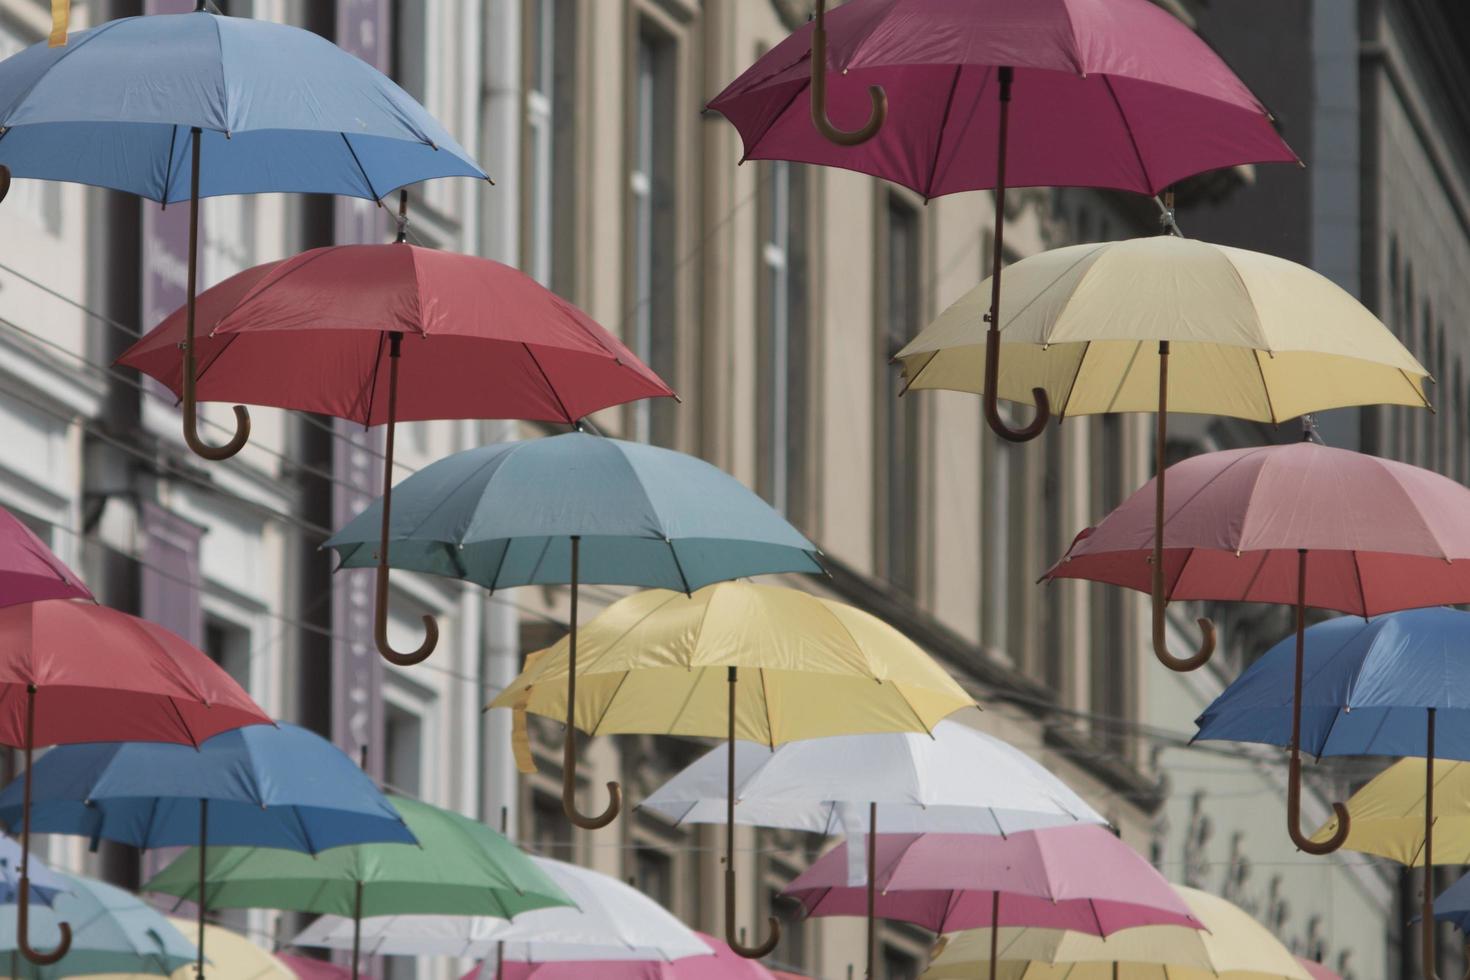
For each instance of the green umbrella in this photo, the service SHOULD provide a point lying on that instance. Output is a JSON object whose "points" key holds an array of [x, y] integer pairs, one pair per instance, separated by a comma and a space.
{"points": [[459, 866], [112, 932]]}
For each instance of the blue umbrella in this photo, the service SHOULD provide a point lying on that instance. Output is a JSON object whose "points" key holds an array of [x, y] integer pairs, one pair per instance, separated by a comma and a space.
{"points": [[184, 106], [114, 932], [1453, 905], [578, 508], [44, 884], [260, 786], [1367, 687]]}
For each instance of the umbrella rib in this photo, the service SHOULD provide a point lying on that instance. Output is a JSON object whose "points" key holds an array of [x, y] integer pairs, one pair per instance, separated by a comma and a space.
{"points": [[372, 385], [608, 706], [1128, 128], [766, 700], [1261, 370], [943, 126], [363, 170], [168, 166], [1072, 388], [565, 414]]}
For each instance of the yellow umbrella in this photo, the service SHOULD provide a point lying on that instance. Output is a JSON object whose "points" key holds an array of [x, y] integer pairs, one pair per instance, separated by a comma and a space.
{"points": [[660, 662], [1232, 946], [231, 957], [1249, 335]]}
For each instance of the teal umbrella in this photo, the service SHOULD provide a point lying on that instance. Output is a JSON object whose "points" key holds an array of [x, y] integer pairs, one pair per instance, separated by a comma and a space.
{"points": [[578, 508], [112, 932]]}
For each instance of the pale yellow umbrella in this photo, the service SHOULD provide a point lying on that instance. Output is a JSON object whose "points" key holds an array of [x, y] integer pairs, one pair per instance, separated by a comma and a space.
{"points": [[666, 663], [1104, 327], [231, 957], [1232, 946]]}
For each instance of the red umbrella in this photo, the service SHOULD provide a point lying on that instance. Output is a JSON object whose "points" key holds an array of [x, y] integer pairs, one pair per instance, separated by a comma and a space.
{"points": [[102, 676], [322, 332], [1109, 93], [28, 570], [1302, 524]]}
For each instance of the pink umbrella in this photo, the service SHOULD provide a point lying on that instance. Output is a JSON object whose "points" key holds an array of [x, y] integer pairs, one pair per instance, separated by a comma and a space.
{"points": [[309, 969], [1110, 93], [725, 964], [1317, 970], [1078, 878], [1240, 526], [29, 572]]}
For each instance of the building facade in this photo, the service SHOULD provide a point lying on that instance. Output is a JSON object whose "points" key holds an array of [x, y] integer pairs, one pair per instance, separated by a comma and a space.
{"points": [[772, 297]]}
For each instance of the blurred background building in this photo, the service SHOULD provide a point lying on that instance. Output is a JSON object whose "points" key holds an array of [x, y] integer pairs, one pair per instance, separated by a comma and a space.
{"points": [[771, 297]]}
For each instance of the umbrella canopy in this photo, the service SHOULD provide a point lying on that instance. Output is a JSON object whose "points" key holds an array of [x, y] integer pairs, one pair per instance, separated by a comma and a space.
{"points": [[726, 964], [1453, 905], [1119, 95], [657, 661], [505, 515], [1316, 970], [957, 780], [29, 572], [280, 109], [114, 932], [607, 920], [1387, 814], [1231, 946], [306, 968], [324, 332], [1077, 878], [44, 884], [276, 786], [233, 957], [480, 339], [1366, 688]]}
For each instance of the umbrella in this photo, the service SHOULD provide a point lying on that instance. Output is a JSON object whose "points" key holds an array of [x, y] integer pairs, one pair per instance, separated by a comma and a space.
{"points": [[1316, 970], [44, 884], [484, 340], [957, 780], [233, 957], [1370, 687], [116, 933], [1231, 946], [1453, 905], [578, 508], [459, 866], [608, 920], [726, 964], [29, 571], [307, 968], [133, 104], [1077, 878], [1120, 95], [1300, 523], [656, 661], [1245, 334], [262, 786], [72, 671]]}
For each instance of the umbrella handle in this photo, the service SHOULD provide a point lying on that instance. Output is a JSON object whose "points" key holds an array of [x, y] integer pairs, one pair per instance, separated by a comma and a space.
{"points": [[731, 934], [190, 402], [23, 934], [841, 137], [1294, 815], [569, 742], [4, 181], [992, 401], [380, 629]]}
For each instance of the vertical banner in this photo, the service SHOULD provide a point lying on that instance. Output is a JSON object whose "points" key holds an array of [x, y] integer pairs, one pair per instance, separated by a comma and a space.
{"points": [[357, 670]]}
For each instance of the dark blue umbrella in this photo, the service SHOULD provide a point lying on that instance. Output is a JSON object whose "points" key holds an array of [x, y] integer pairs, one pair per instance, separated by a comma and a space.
{"points": [[1367, 687], [1453, 905], [260, 786], [578, 508], [183, 106]]}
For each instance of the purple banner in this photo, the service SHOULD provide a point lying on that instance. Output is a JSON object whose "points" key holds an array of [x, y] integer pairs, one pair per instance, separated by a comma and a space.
{"points": [[357, 670]]}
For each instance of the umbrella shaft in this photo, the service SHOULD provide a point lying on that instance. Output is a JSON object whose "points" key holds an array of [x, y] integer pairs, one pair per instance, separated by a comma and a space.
{"points": [[872, 890], [1427, 934], [203, 856]]}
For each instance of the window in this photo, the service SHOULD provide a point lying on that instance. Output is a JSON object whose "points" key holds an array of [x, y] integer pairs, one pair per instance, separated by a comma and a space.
{"points": [[782, 352], [898, 418], [551, 832], [1108, 682], [410, 48], [899, 964], [650, 182], [229, 646], [653, 871], [403, 750], [550, 142]]}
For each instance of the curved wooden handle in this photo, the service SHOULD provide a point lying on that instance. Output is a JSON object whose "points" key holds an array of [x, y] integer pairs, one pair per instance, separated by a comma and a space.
{"points": [[380, 629], [1161, 647], [1294, 814], [569, 789], [731, 935], [4, 181], [879, 98], [191, 425], [23, 934], [992, 404]]}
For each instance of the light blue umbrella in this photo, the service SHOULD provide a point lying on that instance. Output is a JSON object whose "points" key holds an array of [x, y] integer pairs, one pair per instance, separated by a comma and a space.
{"points": [[112, 932], [276, 786], [44, 883], [578, 508], [182, 106]]}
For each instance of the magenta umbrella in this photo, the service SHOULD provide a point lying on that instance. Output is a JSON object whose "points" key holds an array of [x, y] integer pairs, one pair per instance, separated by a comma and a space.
{"points": [[1079, 878], [725, 964], [29, 572], [1109, 93], [1241, 526]]}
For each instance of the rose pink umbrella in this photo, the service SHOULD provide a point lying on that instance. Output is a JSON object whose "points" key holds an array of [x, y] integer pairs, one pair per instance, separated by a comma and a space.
{"points": [[307, 968], [725, 964], [1303, 524], [324, 331], [102, 676], [1077, 878], [29, 571], [1317, 970], [1109, 93]]}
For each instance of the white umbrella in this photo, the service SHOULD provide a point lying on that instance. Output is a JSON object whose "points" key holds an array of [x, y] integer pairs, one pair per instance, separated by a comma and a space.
{"points": [[610, 921], [958, 780]]}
